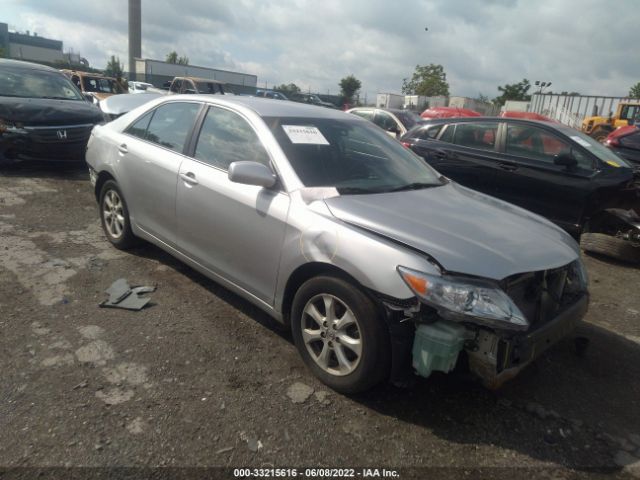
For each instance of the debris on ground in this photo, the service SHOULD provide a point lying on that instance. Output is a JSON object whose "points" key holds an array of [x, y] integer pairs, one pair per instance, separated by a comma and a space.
{"points": [[299, 392], [252, 442], [121, 295]]}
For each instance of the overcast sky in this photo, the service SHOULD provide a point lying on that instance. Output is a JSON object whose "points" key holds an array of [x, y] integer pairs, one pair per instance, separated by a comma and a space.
{"points": [[588, 46]]}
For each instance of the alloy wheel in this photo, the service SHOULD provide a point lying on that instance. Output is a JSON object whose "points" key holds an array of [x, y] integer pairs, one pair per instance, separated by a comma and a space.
{"points": [[331, 334]]}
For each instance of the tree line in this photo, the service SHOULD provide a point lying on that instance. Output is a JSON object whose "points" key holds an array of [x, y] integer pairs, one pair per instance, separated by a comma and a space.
{"points": [[427, 80]]}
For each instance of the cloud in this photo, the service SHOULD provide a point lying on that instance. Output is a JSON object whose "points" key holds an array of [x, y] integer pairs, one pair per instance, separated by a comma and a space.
{"points": [[576, 44]]}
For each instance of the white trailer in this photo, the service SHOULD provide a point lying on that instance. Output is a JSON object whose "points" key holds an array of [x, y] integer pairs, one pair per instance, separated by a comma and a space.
{"points": [[389, 100]]}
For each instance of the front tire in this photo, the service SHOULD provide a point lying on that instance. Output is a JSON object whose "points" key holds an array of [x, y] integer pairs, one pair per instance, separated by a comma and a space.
{"points": [[610, 246], [114, 216], [340, 334]]}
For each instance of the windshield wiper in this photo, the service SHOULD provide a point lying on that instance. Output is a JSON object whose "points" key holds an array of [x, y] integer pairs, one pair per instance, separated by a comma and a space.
{"points": [[414, 186], [355, 190]]}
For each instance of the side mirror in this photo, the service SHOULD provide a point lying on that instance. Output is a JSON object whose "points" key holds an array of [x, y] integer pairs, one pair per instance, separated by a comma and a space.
{"points": [[252, 173], [565, 160], [393, 129], [88, 97]]}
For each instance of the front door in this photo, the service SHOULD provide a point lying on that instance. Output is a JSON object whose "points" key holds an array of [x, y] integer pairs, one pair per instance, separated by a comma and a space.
{"points": [[536, 183], [233, 230]]}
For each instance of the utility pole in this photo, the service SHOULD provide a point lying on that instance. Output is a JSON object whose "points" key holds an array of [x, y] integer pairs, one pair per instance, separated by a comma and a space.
{"points": [[135, 36]]}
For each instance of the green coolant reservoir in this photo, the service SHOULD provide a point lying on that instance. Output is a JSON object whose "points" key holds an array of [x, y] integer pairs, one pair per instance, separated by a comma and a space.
{"points": [[436, 347]]}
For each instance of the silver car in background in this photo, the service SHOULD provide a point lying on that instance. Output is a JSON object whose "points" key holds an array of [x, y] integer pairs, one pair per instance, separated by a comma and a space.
{"points": [[377, 263]]}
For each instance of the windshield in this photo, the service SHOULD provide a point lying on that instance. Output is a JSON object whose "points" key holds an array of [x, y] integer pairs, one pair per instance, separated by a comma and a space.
{"points": [[595, 147], [100, 85], [352, 155], [37, 84]]}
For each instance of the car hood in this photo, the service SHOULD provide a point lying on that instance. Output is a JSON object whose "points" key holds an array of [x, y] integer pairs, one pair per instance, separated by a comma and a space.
{"points": [[117, 105], [464, 231], [42, 111]]}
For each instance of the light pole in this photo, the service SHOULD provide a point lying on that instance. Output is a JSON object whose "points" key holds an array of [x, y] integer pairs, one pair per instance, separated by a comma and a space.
{"points": [[542, 85]]}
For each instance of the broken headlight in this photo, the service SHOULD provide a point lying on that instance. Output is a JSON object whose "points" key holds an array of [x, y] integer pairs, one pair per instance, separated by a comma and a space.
{"points": [[9, 127], [462, 299]]}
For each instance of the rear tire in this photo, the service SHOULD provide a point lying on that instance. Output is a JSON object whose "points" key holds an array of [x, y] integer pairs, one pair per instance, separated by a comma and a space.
{"points": [[340, 334], [610, 246], [114, 216]]}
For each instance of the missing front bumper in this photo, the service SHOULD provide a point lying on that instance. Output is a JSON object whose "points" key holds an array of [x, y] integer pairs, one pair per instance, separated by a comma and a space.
{"points": [[496, 360]]}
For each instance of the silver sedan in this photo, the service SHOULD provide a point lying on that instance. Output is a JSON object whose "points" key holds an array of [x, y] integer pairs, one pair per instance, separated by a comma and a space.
{"points": [[378, 264]]}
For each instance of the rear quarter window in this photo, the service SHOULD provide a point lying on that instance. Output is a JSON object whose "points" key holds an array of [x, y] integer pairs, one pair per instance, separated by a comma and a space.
{"points": [[429, 133]]}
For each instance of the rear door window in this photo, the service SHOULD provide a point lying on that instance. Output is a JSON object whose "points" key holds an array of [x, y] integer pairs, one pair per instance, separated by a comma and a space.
{"points": [[171, 124], [430, 133], [476, 135], [447, 134]]}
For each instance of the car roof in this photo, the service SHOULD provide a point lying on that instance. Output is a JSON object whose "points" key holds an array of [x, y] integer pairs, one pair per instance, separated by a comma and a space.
{"points": [[201, 79], [524, 121], [82, 73], [5, 62], [267, 107]]}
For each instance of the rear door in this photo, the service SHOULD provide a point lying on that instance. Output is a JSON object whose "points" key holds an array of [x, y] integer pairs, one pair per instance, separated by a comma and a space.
{"points": [[466, 153], [233, 230], [533, 181], [152, 151]]}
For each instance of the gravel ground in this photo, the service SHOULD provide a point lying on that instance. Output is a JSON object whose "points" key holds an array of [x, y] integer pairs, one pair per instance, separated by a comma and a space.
{"points": [[201, 378]]}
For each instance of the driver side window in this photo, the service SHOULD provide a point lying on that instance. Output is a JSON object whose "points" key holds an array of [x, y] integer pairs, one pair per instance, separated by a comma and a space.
{"points": [[225, 138], [541, 145]]}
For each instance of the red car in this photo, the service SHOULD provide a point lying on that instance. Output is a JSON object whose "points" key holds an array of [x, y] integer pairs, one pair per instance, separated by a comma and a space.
{"points": [[449, 112], [625, 142]]}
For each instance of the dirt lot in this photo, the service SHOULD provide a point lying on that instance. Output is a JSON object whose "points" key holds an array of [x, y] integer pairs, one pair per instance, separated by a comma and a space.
{"points": [[201, 378]]}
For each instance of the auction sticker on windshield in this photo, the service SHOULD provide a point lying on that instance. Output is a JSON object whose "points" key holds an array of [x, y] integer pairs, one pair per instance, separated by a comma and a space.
{"points": [[304, 134]]}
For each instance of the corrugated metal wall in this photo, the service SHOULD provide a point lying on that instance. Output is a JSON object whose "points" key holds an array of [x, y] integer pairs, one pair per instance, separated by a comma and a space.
{"points": [[572, 109]]}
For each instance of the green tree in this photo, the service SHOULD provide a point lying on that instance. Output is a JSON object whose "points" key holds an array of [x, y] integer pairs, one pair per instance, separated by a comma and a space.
{"points": [[290, 90], [172, 57], [428, 80], [349, 87], [634, 92], [114, 68], [483, 98], [514, 91]]}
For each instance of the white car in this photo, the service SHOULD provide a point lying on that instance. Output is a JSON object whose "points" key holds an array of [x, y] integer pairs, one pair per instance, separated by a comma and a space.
{"points": [[139, 87]]}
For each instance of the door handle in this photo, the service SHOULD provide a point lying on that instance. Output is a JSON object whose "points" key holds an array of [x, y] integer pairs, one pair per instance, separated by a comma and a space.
{"points": [[440, 154], [189, 177], [123, 149], [509, 167]]}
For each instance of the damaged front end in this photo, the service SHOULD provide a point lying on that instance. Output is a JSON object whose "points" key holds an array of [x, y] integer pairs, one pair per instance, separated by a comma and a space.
{"points": [[497, 327]]}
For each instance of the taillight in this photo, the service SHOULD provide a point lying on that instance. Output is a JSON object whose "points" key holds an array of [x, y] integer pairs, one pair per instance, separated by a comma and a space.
{"points": [[406, 144], [613, 142]]}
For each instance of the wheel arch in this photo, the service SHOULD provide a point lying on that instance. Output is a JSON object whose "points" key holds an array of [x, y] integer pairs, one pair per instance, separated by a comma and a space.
{"points": [[103, 177], [310, 270]]}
